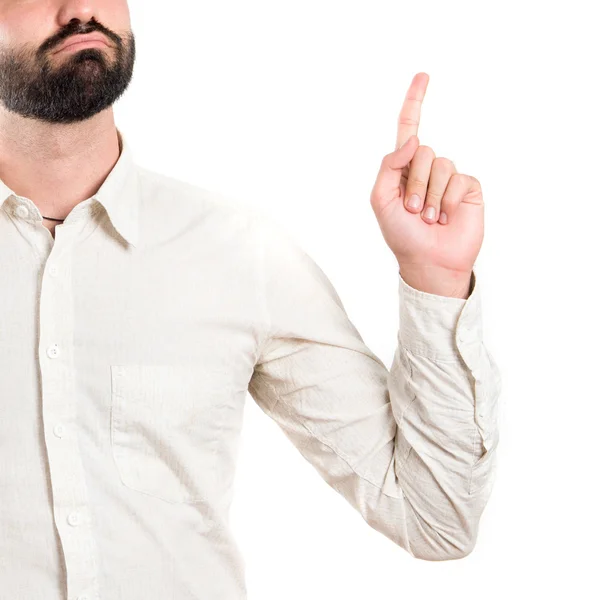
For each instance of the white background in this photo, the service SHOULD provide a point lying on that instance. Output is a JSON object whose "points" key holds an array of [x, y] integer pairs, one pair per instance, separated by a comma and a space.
{"points": [[290, 106]]}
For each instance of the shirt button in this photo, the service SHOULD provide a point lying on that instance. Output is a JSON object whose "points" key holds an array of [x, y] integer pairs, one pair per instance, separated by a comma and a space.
{"points": [[74, 519], [53, 351], [21, 211], [53, 270], [59, 430]]}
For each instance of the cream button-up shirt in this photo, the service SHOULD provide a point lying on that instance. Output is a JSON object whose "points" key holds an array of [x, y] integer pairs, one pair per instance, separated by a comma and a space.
{"points": [[128, 347]]}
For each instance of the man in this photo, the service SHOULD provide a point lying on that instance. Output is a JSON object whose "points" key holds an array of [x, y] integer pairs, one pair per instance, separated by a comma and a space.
{"points": [[137, 311]]}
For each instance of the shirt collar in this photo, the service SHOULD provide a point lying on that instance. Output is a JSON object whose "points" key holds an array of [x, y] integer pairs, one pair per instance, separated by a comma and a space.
{"points": [[119, 194]]}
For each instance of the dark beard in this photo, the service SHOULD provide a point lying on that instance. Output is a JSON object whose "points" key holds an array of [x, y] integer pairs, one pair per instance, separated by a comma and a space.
{"points": [[82, 86]]}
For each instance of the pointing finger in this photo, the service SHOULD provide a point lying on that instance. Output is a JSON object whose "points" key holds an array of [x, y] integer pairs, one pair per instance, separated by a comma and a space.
{"points": [[410, 114]]}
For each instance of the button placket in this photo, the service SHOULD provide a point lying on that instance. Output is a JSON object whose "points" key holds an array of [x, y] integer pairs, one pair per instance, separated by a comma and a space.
{"points": [[60, 399]]}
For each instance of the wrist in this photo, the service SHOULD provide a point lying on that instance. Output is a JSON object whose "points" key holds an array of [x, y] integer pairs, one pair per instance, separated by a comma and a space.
{"points": [[437, 280]]}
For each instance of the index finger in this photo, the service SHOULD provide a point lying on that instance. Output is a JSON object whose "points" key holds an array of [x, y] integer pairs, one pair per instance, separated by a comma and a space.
{"points": [[410, 114]]}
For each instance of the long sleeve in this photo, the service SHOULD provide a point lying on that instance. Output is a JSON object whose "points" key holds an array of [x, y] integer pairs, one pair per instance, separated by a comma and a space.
{"points": [[413, 448]]}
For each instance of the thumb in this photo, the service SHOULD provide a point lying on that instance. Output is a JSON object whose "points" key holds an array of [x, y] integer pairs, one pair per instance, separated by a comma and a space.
{"points": [[403, 155], [387, 184]]}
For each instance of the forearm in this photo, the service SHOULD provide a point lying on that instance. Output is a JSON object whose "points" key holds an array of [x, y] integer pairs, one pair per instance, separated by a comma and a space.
{"points": [[444, 387]]}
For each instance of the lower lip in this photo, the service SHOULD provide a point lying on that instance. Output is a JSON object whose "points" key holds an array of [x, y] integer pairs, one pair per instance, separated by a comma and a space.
{"points": [[80, 45]]}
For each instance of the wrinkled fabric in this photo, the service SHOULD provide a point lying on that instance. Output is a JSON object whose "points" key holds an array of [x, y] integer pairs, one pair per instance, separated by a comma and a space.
{"points": [[128, 348]]}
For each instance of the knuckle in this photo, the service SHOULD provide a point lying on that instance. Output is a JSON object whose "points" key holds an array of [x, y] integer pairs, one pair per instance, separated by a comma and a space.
{"points": [[425, 152], [445, 164], [416, 183], [464, 179], [407, 121], [459, 179], [475, 181]]}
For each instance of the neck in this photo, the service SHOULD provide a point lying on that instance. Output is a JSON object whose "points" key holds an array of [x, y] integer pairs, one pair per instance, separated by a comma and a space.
{"points": [[57, 166]]}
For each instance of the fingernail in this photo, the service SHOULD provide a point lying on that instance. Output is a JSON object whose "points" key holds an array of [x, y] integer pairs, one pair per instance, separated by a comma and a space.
{"points": [[430, 212], [443, 218], [414, 201]]}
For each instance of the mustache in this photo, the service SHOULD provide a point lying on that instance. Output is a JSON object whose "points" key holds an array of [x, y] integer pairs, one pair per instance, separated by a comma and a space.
{"points": [[77, 28]]}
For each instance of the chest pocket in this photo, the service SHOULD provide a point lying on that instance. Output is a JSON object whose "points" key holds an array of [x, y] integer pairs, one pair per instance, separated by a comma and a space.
{"points": [[165, 422]]}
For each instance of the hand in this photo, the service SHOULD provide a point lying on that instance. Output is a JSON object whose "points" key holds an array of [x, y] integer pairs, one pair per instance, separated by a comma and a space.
{"points": [[436, 241]]}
